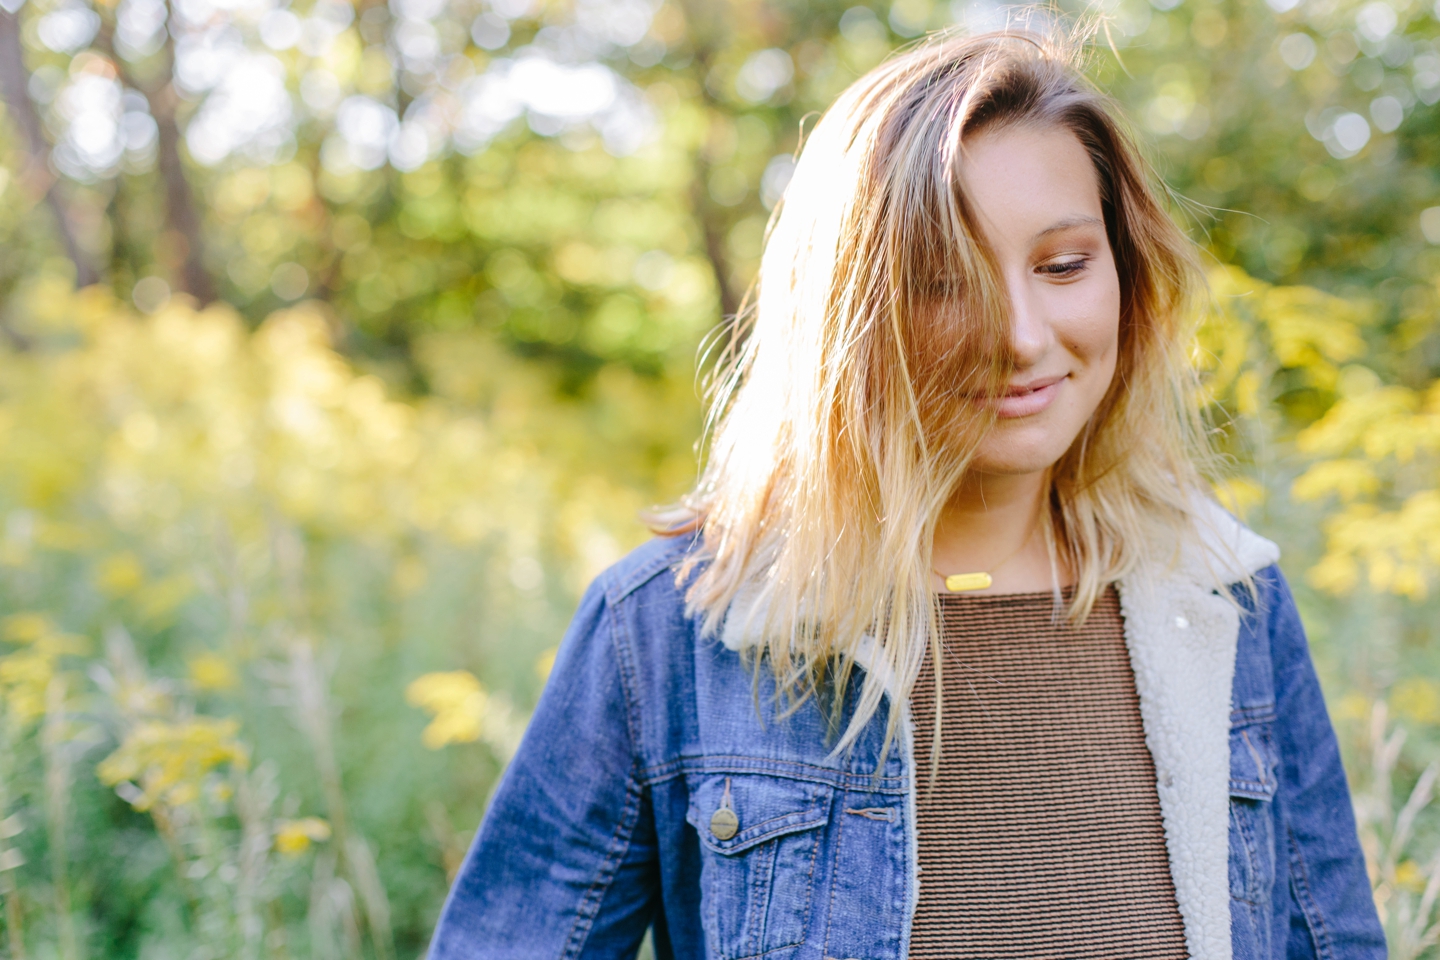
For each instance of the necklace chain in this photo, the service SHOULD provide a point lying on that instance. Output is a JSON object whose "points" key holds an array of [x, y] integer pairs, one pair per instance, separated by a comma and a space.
{"points": [[979, 579]]}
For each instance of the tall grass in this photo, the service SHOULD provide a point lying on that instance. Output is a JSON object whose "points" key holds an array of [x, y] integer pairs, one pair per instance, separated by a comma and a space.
{"points": [[226, 557], [1392, 811], [268, 632]]}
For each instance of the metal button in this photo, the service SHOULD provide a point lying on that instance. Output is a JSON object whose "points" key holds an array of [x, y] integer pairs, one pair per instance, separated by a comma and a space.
{"points": [[724, 824]]}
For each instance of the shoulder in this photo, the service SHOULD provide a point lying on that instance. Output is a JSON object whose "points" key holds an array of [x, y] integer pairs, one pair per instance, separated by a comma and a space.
{"points": [[1224, 550], [1227, 551], [650, 567], [644, 598], [632, 598], [631, 618]]}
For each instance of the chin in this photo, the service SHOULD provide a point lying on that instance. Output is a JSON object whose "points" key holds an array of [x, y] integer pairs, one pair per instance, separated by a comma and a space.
{"points": [[1015, 463], [1018, 455]]}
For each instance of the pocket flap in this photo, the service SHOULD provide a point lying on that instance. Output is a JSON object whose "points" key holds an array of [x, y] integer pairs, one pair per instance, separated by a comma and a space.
{"points": [[763, 807], [1253, 760]]}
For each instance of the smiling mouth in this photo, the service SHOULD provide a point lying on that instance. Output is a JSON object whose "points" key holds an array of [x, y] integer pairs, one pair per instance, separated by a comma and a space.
{"points": [[1032, 387], [1027, 399]]}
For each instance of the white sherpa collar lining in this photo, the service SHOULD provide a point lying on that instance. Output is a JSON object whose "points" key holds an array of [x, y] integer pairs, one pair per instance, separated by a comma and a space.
{"points": [[1181, 636]]}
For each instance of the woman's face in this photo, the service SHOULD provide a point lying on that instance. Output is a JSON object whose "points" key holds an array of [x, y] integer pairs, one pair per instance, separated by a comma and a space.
{"points": [[1038, 201]]}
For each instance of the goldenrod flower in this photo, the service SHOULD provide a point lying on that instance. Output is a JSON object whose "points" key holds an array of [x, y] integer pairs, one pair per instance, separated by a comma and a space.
{"points": [[169, 761], [457, 701], [120, 574], [24, 677], [1417, 699], [464, 712], [26, 627], [1409, 877], [294, 837], [210, 671], [545, 663], [26, 673]]}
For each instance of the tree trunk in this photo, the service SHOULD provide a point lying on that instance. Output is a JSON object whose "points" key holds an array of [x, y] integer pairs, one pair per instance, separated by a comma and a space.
{"points": [[15, 81], [182, 217], [705, 40], [712, 232]]}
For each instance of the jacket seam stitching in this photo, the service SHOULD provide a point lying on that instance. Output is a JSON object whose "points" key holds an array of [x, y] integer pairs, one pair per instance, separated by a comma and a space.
{"points": [[759, 765], [762, 882], [834, 872], [1252, 858], [1266, 788], [621, 643], [1309, 908], [1245, 716], [589, 907], [1240, 789], [642, 575], [754, 842], [754, 836]]}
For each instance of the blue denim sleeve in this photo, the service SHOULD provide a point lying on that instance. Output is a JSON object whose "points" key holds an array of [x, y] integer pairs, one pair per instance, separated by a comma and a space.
{"points": [[1331, 910], [564, 863]]}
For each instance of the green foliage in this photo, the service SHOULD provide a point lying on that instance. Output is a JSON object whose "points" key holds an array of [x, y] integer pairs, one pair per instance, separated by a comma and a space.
{"points": [[414, 338], [221, 579]]}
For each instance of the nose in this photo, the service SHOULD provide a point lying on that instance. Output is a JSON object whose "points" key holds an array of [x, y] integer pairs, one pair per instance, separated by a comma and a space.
{"points": [[1030, 332]]}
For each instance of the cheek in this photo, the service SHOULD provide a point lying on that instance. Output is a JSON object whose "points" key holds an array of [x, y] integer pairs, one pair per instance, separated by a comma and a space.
{"points": [[1103, 358], [1092, 334]]}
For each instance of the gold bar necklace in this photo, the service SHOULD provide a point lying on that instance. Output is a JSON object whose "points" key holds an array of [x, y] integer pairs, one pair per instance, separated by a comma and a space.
{"points": [[980, 579]]}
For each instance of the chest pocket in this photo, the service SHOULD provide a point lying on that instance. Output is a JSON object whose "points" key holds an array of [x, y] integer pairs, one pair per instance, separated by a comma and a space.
{"points": [[1254, 766], [759, 838]]}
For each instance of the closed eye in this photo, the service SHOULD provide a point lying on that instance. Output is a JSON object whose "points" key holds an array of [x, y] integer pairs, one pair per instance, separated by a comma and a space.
{"points": [[1064, 268]]}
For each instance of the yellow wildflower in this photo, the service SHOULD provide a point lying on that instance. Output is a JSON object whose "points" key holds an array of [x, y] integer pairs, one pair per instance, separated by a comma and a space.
{"points": [[1353, 706], [294, 837], [1417, 699], [169, 761], [457, 701], [210, 671], [120, 574], [545, 663], [26, 627], [1410, 877], [1313, 330], [1350, 479], [464, 712], [24, 677], [1239, 495], [26, 673]]}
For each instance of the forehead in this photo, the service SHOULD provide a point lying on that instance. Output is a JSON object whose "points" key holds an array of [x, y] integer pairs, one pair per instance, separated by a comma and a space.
{"points": [[1023, 180]]}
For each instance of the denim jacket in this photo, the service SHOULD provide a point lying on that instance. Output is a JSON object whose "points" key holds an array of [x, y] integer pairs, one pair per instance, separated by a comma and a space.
{"points": [[605, 824]]}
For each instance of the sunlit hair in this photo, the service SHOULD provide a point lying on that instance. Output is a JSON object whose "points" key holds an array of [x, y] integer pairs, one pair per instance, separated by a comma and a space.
{"points": [[843, 412]]}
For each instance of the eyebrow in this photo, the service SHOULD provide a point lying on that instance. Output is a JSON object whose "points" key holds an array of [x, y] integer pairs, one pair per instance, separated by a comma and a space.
{"points": [[1066, 224]]}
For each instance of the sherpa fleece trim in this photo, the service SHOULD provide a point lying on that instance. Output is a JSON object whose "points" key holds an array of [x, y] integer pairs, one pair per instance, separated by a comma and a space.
{"points": [[1181, 635]]}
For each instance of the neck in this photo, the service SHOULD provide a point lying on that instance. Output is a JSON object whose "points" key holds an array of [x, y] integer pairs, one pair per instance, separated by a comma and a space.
{"points": [[992, 524]]}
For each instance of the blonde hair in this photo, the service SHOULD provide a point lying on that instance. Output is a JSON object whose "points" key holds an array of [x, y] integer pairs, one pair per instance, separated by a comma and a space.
{"points": [[839, 422]]}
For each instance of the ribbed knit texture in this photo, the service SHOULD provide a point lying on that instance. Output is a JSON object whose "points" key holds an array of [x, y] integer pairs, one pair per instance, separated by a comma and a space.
{"points": [[1041, 836]]}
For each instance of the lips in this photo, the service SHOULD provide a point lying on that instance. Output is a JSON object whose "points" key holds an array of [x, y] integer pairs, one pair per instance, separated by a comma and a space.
{"points": [[1028, 399]]}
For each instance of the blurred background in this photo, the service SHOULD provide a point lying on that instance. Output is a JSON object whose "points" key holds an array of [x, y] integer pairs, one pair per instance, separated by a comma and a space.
{"points": [[340, 344]]}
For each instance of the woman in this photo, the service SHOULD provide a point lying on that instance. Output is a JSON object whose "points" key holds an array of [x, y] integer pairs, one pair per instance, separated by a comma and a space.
{"points": [[948, 654]]}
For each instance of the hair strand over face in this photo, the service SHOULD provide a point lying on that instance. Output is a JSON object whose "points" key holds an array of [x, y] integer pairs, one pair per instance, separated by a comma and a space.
{"points": [[843, 421]]}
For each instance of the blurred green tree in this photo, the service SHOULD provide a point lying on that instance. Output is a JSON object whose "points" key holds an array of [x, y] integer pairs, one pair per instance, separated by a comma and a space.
{"points": [[523, 216], [589, 181]]}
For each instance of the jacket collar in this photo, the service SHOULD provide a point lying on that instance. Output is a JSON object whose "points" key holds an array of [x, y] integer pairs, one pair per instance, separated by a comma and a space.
{"points": [[1181, 633]]}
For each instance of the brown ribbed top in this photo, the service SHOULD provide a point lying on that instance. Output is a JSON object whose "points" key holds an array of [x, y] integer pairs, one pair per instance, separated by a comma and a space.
{"points": [[1041, 836]]}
